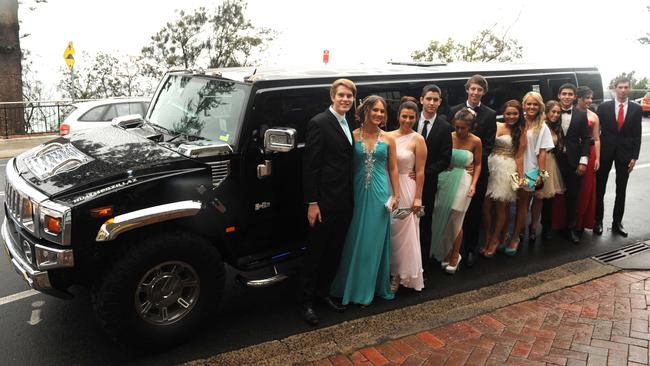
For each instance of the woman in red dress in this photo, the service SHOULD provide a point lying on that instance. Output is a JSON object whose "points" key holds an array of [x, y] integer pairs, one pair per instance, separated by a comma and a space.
{"points": [[587, 199]]}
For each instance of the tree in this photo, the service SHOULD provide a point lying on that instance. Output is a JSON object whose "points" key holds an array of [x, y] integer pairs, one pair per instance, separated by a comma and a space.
{"points": [[105, 76], [485, 47], [233, 37], [203, 39], [643, 83], [10, 68], [178, 44]]}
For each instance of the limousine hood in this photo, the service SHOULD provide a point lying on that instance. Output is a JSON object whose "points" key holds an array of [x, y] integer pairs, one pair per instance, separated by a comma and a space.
{"points": [[84, 159]]}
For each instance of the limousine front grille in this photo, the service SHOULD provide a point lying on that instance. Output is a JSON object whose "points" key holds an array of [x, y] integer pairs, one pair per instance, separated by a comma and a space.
{"points": [[19, 207], [220, 170]]}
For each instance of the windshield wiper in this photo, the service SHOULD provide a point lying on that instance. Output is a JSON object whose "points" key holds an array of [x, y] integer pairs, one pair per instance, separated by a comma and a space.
{"points": [[187, 136]]}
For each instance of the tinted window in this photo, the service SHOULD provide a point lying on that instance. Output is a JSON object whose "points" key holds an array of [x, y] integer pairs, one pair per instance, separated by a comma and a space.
{"points": [[594, 82], [95, 114], [554, 83], [136, 108]]}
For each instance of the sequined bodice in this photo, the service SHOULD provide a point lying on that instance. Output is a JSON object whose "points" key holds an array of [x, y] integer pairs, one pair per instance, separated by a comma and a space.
{"points": [[503, 145]]}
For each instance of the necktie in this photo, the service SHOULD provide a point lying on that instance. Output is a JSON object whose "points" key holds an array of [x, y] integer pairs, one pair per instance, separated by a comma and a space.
{"points": [[567, 111], [621, 116], [425, 129], [476, 109], [346, 129]]}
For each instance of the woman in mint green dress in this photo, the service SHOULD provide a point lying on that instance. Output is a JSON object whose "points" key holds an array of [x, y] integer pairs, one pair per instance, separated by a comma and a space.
{"points": [[456, 188], [365, 263]]}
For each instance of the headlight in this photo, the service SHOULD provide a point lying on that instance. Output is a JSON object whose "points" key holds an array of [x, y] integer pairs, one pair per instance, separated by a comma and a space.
{"points": [[55, 222]]}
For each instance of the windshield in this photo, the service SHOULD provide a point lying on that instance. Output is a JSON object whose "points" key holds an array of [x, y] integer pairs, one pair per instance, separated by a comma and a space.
{"points": [[208, 108]]}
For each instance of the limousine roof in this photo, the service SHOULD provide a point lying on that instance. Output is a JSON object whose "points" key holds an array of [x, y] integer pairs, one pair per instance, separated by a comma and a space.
{"points": [[389, 71]]}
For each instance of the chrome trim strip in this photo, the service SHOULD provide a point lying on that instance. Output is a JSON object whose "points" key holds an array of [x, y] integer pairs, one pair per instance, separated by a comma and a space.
{"points": [[38, 280], [64, 257], [112, 228]]}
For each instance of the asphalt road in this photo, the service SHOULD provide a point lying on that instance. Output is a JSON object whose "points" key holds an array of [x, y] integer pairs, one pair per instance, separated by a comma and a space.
{"points": [[37, 329]]}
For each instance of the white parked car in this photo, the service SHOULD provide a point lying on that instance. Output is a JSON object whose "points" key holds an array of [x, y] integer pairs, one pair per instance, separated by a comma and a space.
{"points": [[100, 113]]}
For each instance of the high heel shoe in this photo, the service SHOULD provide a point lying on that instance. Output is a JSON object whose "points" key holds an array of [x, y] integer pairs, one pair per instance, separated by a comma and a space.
{"points": [[511, 251], [444, 264], [532, 235], [452, 269]]}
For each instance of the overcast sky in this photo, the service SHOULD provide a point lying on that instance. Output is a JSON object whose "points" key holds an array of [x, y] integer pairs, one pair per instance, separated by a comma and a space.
{"points": [[573, 33]]}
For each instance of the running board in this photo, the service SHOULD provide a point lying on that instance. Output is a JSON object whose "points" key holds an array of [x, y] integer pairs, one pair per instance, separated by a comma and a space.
{"points": [[262, 282]]}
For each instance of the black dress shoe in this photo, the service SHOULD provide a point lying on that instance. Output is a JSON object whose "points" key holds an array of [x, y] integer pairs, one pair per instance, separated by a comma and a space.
{"points": [[339, 308], [309, 315], [618, 228], [598, 229], [471, 259], [574, 236]]}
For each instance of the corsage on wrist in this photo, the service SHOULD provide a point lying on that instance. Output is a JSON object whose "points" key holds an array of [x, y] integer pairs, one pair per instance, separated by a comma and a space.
{"points": [[544, 174]]}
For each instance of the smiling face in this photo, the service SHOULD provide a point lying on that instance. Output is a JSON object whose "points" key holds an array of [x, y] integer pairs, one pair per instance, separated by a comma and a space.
{"points": [[474, 94], [430, 103], [376, 114], [462, 128], [532, 108], [566, 97], [511, 115], [553, 114], [406, 119], [342, 100]]}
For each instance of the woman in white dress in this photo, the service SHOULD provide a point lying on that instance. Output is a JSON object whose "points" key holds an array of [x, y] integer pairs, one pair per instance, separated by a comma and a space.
{"points": [[538, 142], [506, 158], [405, 259]]}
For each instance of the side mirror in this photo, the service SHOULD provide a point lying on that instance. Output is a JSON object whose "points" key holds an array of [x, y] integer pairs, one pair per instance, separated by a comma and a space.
{"points": [[282, 139]]}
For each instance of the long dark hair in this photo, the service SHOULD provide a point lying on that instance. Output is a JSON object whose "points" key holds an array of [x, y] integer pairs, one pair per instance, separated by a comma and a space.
{"points": [[556, 126], [408, 102], [366, 105], [515, 130]]}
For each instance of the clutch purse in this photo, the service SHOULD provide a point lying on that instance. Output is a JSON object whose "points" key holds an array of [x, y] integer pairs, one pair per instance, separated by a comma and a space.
{"points": [[530, 178], [401, 213], [514, 181]]}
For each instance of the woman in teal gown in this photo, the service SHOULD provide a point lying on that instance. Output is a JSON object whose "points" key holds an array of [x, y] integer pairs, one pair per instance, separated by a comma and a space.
{"points": [[365, 262]]}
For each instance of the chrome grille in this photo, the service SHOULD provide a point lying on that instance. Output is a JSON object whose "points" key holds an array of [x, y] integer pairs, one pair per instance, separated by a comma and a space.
{"points": [[220, 170], [13, 199]]}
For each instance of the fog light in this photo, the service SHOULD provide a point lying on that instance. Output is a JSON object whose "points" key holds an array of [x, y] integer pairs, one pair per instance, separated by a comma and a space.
{"points": [[52, 224]]}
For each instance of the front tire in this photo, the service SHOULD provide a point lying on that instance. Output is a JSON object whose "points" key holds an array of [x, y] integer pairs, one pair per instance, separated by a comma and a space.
{"points": [[160, 291]]}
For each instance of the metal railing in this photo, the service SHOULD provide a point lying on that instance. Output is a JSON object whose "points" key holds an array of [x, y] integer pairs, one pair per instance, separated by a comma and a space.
{"points": [[32, 117]]}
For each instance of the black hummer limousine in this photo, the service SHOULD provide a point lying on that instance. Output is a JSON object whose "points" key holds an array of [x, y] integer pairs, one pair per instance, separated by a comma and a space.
{"points": [[147, 212]]}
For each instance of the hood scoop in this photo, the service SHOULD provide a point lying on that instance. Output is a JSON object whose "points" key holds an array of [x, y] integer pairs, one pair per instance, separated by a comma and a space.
{"points": [[53, 159]]}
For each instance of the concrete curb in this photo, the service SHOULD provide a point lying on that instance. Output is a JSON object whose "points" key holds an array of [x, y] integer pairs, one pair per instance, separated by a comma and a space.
{"points": [[17, 145], [348, 336]]}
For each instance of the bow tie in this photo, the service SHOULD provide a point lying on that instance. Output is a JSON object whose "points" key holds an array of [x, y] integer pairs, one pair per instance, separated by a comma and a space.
{"points": [[567, 111]]}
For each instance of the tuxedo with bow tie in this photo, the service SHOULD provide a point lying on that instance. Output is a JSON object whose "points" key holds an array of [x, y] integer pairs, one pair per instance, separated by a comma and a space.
{"points": [[618, 147]]}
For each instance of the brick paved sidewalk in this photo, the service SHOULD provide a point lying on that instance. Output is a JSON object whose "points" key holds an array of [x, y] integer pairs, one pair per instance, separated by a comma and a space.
{"points": [[600, 322]]}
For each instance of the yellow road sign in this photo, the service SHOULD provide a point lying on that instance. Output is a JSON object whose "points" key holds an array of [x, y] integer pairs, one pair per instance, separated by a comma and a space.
{"points": [[68, 55]]}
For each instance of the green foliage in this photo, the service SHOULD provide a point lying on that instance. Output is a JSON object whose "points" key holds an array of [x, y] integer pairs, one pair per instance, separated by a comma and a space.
{"points": [[105, 76], [643, 83], [485, 47], [202, 39], [646, 39]]}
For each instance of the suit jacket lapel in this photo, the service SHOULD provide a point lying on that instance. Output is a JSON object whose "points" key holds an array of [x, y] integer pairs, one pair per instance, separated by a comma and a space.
{"points": [[337, 126]]}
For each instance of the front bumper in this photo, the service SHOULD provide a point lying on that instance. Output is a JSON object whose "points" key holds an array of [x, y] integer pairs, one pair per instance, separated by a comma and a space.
{"points": [[37, 279]]}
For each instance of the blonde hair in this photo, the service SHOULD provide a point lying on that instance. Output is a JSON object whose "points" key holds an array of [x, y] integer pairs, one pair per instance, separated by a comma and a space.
{"points": [[345, 83], [541, 116]]}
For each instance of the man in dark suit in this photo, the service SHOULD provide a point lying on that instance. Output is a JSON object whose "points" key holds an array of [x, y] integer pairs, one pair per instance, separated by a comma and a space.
{"points": [[485, 127], [620, 141], [572, 162], [327, 184], [437, 134]]}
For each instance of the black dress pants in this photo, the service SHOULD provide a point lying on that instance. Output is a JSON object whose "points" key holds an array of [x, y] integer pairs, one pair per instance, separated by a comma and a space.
{"points": [[622, 176], [474, 217], [572, 183], [323, 255]]}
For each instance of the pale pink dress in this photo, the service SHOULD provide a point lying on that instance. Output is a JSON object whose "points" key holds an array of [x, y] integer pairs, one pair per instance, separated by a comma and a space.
{"points": [[405, 258]]}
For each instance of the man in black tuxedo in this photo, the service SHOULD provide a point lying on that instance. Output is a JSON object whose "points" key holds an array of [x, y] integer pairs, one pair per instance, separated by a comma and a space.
{"points": [[620, 141], [327, 184], [485, 128], [437, 134], [572, 161]]}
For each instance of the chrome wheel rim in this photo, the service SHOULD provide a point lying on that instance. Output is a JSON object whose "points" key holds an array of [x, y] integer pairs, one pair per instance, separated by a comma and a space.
{"points": [[167, 293]]}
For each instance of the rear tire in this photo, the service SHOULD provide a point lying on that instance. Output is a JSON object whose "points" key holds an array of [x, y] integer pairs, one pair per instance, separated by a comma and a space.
{"points": [[160, 291]]}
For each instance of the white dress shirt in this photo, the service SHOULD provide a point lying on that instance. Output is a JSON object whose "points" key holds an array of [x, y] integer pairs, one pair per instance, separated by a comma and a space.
{"points": [[421, 123], [617, 105], [340, 118]]}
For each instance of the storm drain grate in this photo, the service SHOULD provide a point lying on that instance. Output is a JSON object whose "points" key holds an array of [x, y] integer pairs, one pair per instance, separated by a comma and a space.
{"points": [[623, 252]]}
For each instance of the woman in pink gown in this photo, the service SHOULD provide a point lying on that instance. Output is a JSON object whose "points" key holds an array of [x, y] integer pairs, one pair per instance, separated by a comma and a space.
{"points": [[405, 259]]}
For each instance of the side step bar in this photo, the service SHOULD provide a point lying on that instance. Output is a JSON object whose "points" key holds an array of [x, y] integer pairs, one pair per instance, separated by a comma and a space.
{"points": [[262, 282]]}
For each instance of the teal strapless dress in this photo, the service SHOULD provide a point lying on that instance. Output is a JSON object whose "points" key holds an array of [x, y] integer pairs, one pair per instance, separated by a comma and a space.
{"points": [[365, 261], [451, 203]]}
